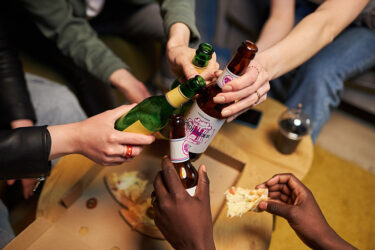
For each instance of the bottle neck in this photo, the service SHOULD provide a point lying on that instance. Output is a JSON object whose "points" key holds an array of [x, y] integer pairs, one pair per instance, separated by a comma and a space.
{"points": [[178, 143]]}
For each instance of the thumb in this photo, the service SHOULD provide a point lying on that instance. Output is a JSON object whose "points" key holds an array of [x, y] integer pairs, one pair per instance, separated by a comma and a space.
{"points": [[276, 208], [119, 111], [203, 187], [189, 70]]}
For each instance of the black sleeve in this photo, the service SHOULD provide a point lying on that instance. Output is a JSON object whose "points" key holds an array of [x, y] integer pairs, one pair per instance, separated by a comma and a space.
{"points": [[15, 100], [24, 152]]}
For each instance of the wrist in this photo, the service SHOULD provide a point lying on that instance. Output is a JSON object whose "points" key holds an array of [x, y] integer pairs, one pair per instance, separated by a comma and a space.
{"points": [[267, 60], [65, 140], [179, 35], [204, 244]]}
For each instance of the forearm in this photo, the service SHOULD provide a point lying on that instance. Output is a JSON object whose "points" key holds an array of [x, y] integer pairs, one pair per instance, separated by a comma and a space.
{"points": [[279, 23], [331, 240], [309, 36]]}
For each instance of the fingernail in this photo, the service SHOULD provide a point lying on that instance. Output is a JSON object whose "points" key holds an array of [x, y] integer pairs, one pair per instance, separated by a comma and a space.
{"points": [[227, 88], [263, 205], [204, 168], [165, 156], [226, 113], [219, 98]]}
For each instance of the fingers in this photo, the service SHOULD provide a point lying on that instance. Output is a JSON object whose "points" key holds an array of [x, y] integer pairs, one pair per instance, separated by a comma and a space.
{"points": [[203, 187], [119, 111], [246, 80], [171, 178], [289, 179], [122, 151], [11, 182], [276, 208], [159, 187], [131, 138], [231, 118], [189, 70]]}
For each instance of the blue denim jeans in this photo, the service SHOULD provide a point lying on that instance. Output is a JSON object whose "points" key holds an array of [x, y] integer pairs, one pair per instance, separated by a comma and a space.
{"points": [[318, 83]]}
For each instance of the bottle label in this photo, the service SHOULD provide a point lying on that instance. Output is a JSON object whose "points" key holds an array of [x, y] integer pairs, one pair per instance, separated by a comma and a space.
{"points": [[200, 129], [191, 191], [225, 77], [138, 128], [175, 97], [179, 150]]}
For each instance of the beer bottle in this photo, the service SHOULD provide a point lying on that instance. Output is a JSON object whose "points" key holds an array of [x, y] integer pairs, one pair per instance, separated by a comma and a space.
{"points": [[204, 118], [180, 155], [153, 113], [200, 61]]}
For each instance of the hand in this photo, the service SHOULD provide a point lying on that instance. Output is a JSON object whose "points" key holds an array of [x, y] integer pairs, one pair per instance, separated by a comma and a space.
{"points": [[133, 90], [97, 138], [180, 62], [180, 56], [185, 221], [293, 201], [27, 186], [247, 91]]}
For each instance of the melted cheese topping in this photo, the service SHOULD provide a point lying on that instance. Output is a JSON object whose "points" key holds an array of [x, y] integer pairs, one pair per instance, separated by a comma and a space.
{"points": [[240, 200]]}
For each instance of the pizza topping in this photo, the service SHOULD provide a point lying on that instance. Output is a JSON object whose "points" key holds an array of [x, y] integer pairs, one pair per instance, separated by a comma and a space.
{"points": [[240, 200], [91, 203]]}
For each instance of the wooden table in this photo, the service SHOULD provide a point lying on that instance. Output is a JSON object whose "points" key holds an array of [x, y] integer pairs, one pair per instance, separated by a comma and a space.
{"points": [[254, 146]]}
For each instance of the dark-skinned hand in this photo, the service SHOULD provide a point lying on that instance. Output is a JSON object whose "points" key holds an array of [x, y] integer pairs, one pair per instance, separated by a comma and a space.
{"points": [[185, 221], [292, 200]]}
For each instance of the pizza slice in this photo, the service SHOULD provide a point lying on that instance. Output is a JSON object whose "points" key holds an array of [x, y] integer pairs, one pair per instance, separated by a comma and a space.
{"points": [[127, 188], [241, 200], [141, 218]]}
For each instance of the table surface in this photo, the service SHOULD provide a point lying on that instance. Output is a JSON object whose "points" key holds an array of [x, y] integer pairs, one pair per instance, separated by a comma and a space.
{"points": [[255, 147]]}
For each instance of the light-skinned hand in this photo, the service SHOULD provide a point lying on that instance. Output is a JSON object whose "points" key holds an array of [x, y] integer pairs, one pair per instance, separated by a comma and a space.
{"points": [[242, 92], [97, 138], [133, 89]]}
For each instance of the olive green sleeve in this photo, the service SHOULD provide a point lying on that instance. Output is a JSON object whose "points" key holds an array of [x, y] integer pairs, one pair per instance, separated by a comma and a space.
{"points": [[74, 36], [180, 11]]}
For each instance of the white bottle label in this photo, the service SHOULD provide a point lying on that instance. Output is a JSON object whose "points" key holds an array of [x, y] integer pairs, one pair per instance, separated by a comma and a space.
{"points": [[179, 150], [191, 191], [225, 77], [200, 129]]}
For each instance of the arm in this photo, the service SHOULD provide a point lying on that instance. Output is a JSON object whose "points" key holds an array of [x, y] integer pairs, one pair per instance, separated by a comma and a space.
{"points": [[59, 21], [309, 36], [14, 97], [293, 201], [179, 22], [278, 24], [95, 138]]}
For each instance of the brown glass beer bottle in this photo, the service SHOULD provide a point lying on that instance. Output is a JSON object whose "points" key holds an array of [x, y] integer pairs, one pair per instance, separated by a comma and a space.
{"points": [[204, 119], [180, 156]]}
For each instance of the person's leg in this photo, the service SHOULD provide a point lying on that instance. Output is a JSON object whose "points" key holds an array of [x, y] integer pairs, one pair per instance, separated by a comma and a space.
{"points": [[53, 103], [319, 82], [6, 231]]}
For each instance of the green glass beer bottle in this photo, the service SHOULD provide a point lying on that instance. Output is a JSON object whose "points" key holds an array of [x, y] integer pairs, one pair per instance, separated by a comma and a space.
{"points": [[200, 61], [153, 113]]}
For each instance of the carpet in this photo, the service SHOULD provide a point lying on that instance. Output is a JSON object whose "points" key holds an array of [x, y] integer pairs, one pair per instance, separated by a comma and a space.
{"points": [[345, 194]]}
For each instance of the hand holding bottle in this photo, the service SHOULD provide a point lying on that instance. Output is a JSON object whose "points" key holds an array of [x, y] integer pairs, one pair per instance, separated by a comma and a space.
{"points": [[180, 55], [97, 139], [295, 202], [246, 91], [185, 221]]}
